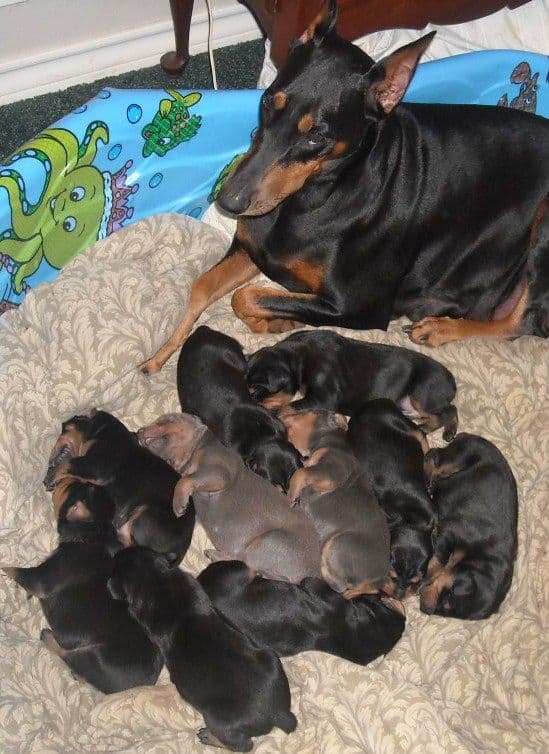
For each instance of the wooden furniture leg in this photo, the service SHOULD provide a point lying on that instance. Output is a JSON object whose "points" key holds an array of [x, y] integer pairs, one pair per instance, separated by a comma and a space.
{"points": [[175, 62]]}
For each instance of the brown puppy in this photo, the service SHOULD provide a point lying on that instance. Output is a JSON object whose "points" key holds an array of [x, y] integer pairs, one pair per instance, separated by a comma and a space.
{"points": [[339, 498], [244, 516]]}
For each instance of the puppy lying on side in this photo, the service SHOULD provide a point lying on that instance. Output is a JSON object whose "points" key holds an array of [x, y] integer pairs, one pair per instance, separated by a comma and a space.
{"points": [[245, 517], [293, 618], [338, 497], [390, 448], [239, 688], [342, 374], [94, 635], [211, 383], [140, 484], [475, 546]]}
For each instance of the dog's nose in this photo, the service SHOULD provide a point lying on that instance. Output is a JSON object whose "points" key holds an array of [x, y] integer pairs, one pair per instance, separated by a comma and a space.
{"points": [[233, 202]]}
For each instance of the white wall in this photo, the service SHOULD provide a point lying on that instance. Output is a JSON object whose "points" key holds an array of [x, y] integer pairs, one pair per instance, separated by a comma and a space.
{"points": [[47, 45]]}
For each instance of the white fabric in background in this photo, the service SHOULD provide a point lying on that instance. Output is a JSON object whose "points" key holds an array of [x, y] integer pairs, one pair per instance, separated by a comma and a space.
{"points": [[526, 28]]}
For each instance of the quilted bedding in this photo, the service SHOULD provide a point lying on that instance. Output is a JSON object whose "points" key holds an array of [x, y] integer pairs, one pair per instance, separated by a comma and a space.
{"points": [[448, 686]]}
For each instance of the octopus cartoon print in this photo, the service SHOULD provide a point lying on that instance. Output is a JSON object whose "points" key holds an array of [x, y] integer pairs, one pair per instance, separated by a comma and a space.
{"points": [[78, 203]]}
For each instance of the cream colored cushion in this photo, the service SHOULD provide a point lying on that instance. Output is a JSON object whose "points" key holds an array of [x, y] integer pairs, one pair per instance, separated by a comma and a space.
{"points": [[448, 686]]}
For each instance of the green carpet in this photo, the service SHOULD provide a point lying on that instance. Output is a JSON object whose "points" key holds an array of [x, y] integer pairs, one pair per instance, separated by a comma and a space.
{"points": [[237, 67]]}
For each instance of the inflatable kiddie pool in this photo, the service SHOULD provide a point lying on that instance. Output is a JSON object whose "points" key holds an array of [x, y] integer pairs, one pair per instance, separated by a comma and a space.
{"points": [[128, 154]]}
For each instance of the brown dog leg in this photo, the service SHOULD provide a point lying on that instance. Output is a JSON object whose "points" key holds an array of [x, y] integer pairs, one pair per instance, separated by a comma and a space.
{"points": [[436, 331], [223, 278]]}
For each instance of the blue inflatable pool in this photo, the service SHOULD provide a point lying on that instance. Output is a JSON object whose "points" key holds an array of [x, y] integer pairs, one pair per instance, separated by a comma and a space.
{"points": [[128, 154]]}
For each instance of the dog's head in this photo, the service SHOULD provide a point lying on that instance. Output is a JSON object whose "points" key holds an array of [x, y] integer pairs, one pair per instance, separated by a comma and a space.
{"points": [[134, 574], [173, 437], [276, 460], [81, 506], [309, 430], [410, 553], [270, 373], [320, 112]]}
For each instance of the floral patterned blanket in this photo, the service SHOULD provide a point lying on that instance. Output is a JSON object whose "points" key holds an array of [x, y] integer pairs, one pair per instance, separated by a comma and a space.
{"points": [[448, 686]]}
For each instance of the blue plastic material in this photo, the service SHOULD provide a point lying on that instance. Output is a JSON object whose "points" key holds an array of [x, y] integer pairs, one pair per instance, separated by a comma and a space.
{"points": [[128, 154]]}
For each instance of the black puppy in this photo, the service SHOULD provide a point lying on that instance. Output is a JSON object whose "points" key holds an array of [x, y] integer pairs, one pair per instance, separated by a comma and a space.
{"points": [[239, 688], [391, 449], [92, 633], [341, 374], [475, 546], [211, 383], [102, 449], [293, 618]]}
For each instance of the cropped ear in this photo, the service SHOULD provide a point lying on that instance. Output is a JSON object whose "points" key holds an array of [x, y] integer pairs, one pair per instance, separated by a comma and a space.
{"points": [[78, 512], [388, 79], [322, 24]]}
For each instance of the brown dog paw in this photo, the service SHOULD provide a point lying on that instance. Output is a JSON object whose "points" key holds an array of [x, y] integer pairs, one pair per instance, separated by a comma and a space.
{"points": [[434, 331], [149, 367]]}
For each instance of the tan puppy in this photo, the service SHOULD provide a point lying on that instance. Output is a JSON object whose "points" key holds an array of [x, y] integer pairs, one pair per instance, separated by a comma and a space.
{"points": [[339, 498], [244, 516]]}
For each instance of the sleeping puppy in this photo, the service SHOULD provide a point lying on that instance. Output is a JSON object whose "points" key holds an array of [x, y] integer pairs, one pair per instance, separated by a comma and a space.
{"points": [[244, 516], [338, 497], [475, 546], [239, 688], [211, 383], [341, 374], [292, 618], [94, 635], [140, 484], [390, 448]]}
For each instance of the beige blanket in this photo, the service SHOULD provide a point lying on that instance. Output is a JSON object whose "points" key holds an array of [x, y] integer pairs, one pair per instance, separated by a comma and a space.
{"points": [[448, 686]]}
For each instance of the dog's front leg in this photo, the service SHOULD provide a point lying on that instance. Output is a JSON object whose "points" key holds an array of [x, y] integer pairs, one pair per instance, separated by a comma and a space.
{"points": [[265, 309], [233, 270]]}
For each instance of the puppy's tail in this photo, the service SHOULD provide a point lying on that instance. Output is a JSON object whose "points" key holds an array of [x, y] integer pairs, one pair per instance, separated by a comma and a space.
{"points": [[286, 721]]}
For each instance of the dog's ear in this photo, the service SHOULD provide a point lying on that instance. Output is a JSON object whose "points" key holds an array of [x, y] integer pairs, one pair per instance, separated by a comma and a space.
{"points": [[388, 79], [322, 24], [78, 512]]}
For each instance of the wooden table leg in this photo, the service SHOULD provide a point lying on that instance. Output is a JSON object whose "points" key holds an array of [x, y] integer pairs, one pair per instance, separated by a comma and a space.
{"points": [[175, 62]]}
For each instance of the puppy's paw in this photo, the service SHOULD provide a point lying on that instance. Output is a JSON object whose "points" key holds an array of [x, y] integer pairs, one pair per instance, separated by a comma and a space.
{"points": [[10, 571]]}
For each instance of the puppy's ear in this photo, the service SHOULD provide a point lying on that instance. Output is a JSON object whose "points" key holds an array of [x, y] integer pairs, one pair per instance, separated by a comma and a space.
{"points": [[388, 79], [78, 512], [322, 24]]}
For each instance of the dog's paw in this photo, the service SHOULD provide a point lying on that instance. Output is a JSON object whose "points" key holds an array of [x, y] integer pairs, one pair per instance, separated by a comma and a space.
{"points": [[149, 367], [433, 331], [207, 738]]}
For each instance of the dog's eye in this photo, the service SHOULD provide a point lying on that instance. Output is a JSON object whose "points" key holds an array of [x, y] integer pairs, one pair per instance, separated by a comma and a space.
{"points": [[316, 138]]}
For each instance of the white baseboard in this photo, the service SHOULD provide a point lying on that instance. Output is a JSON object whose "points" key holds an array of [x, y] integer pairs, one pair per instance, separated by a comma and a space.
{"points": [[58, 69]]}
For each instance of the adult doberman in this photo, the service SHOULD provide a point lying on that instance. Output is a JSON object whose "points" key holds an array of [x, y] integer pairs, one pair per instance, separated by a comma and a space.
{"points": [[366, 209]]}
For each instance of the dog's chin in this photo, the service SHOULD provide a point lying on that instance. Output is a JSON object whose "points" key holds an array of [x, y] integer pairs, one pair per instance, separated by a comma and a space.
{"points": [[259, 207]]}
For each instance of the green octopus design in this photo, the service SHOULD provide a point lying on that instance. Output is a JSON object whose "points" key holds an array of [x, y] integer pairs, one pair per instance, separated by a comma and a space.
{"points": [[172, 124], [68, 215]]}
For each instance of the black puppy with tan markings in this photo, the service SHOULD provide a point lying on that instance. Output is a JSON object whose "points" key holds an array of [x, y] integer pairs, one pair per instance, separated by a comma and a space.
{"points": [[390, 448], [239, 688], [244, 516], [292, 618], [341, 374], [93, 634], [338, 497], [211, 383], [475, 495], [96, 446]]}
